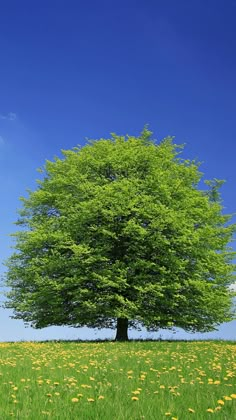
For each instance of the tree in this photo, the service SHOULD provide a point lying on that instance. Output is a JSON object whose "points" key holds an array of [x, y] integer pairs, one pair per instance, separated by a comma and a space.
{"points": [[117, 234]]}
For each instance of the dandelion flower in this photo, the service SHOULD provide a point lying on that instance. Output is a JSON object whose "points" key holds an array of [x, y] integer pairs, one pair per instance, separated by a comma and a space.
{"points": [[134, 398], [191, 410], [227, 398], [233, 395], [90, 399], [221, 402], [75, 400], [209, 410], [101, 397]]}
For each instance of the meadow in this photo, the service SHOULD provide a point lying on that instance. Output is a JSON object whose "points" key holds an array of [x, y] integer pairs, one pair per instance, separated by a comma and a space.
{"points": [[121, 381]]}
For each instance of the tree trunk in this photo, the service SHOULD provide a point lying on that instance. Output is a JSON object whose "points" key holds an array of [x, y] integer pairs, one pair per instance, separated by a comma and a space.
{"points": [[122, 329]]}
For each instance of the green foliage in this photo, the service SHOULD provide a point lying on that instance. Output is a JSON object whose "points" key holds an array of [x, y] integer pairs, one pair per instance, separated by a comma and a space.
{"points": [[120, 229]]}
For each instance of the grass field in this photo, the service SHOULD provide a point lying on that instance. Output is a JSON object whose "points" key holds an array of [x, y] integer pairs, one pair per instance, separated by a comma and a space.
{"points": [[134, 380]]}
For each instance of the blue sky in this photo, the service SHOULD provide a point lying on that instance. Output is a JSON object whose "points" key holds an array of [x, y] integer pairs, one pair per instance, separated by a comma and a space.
{"points": [[72, 70]]}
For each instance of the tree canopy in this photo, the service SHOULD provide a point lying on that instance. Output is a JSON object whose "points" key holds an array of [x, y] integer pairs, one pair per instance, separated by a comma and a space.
{"points": [[119, 233]]}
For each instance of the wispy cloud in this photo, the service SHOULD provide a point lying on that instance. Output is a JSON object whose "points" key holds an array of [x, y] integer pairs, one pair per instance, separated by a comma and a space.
{"points": [[11, 116]]}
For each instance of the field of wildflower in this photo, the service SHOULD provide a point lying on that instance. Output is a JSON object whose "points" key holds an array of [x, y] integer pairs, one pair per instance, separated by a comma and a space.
{"points": [[110, 380]]}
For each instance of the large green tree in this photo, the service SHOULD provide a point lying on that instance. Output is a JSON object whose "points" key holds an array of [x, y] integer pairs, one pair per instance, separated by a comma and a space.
{"points": [[117, 234]]}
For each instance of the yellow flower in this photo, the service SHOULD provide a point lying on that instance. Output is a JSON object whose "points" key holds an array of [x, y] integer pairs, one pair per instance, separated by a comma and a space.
{"points": [[227, 398], [75, 400], [101, 397], [162, 386], [90, 399], [91, 378], [209, 410], [49, 395], [221, 402], [218, 408], [167, 413], [191, 410], [233, 395], [136, 392], [134, 398]]}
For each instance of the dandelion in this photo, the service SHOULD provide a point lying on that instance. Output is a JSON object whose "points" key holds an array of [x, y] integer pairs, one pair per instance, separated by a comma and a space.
{"points": [[162, 386], [221, 402], [74, 400], [218, 408], [90, 399], [91, 378], [191, 410], [227, 398], [101, 397], [233, 395], [134, 398], [167, 413], [209, 410]]}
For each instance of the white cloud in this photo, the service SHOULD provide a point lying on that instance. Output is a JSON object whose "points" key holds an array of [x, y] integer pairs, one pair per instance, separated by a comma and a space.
{"points": [[11, 116]]}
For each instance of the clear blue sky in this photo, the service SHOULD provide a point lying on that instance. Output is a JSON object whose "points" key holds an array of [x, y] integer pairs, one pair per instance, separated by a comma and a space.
{"points": [[75, 69]]}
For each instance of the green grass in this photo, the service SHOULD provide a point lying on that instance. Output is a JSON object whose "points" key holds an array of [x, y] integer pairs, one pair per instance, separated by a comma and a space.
{"points": [[68, 380]]}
